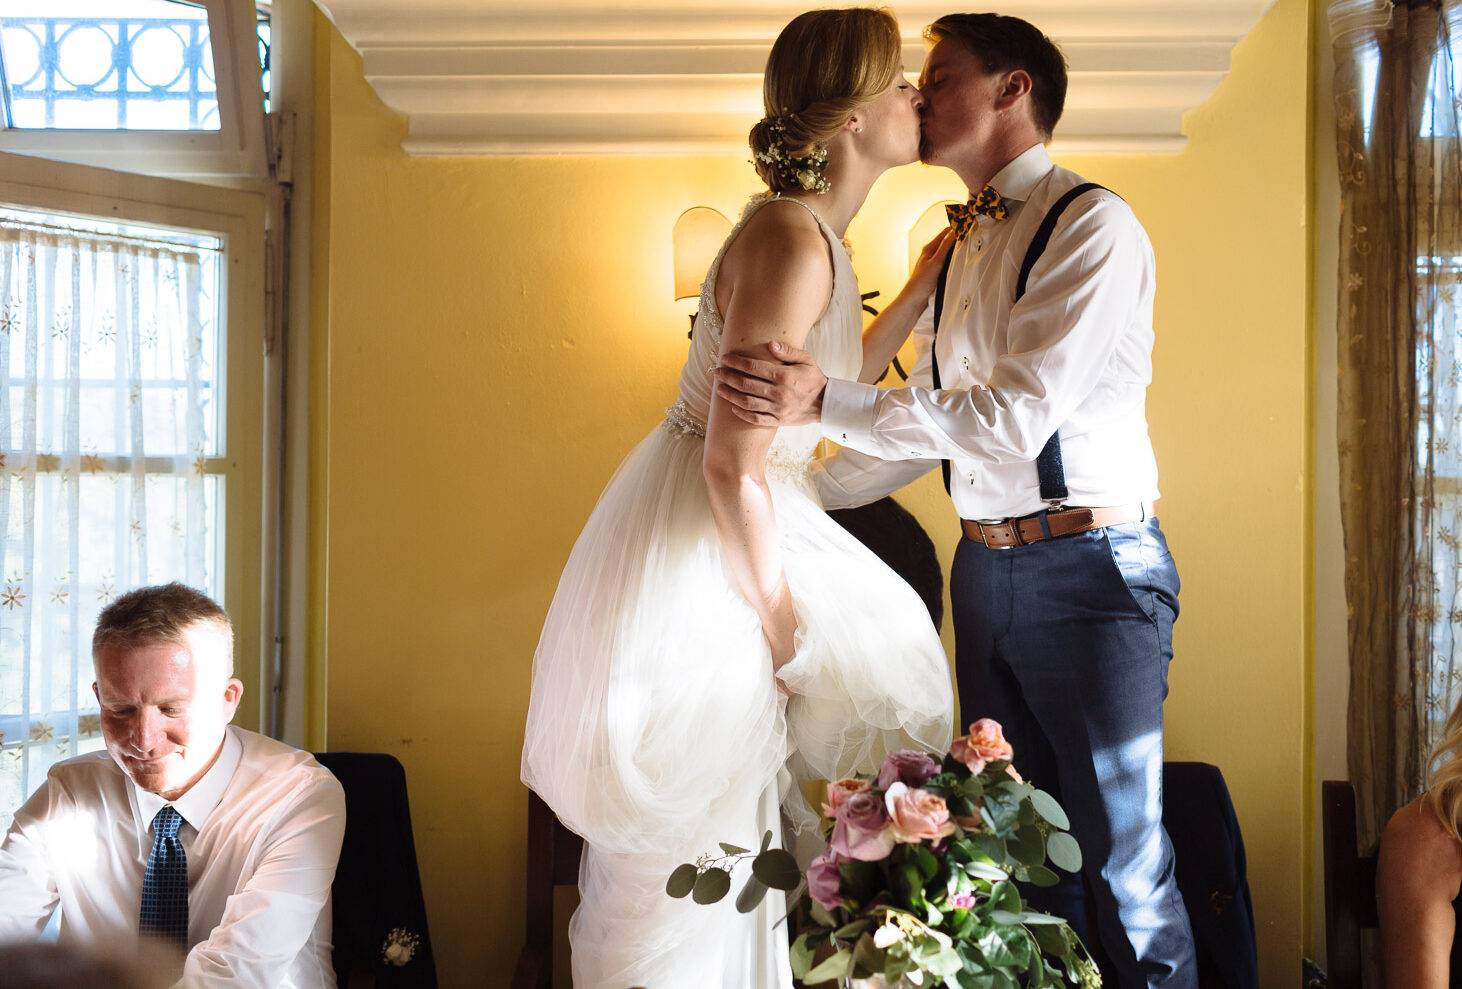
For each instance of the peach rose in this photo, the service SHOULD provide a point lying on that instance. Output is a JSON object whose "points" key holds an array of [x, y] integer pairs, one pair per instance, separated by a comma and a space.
{"points": [[916, 815], [984, 744], [840, 790]]}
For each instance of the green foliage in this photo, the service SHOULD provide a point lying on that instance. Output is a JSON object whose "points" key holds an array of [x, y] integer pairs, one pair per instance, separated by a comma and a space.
{"points": [[946, 912]]}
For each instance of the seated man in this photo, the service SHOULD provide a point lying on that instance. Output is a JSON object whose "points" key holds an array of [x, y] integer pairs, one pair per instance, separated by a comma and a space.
{"points": [[218, 841]]}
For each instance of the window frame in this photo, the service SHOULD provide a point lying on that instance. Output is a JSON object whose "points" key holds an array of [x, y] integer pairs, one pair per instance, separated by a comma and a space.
{"points": [[236, 149]]}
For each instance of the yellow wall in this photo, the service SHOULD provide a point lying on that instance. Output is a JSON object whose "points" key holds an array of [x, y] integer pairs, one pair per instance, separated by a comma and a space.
{"points": [[496, 333]]}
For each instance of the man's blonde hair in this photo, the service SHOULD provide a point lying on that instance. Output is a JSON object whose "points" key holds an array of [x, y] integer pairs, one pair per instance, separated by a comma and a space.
{"points": [[159, 614]]}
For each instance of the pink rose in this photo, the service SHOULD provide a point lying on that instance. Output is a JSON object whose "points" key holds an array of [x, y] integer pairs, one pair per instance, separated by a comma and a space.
{"points": [[906, 766], [841, 790], [962, 901], [985, 743], [861, 830], [824, 884], [916, 815]]}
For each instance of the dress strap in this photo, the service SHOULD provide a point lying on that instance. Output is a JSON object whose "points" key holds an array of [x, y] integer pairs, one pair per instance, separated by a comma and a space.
{"points": [[778, 197]]}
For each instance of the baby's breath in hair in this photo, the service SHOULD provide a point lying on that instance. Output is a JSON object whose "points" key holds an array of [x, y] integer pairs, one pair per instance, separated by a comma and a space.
{"points": [[800, 173]]}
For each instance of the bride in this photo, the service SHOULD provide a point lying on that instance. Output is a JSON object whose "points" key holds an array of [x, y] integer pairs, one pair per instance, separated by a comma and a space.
{"points": [[715, 638]]}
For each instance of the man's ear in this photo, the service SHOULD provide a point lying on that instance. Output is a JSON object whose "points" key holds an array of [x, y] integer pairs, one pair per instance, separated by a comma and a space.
{"points": [[233, 692], [1017, 83]]}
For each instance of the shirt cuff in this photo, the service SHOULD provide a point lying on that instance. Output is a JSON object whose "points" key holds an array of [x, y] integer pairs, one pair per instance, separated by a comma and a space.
{"points": [[848, 411]]}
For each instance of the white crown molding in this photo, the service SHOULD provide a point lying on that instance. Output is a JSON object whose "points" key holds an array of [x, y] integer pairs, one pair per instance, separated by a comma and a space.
{"points": [[684, 76]]}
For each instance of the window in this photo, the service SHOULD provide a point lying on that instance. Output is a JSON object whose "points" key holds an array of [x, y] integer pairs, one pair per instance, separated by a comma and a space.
{"points": [[165, 87], [131, 384]]}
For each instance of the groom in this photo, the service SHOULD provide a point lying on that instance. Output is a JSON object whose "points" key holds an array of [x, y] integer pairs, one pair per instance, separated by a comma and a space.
{"points": [[1036, 356]]}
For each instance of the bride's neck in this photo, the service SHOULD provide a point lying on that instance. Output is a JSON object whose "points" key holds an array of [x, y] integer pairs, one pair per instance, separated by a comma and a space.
{"points": [[837, 207]]}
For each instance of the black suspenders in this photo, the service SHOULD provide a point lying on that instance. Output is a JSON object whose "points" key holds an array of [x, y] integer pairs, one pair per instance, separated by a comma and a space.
{"points": [[1049, 470]]}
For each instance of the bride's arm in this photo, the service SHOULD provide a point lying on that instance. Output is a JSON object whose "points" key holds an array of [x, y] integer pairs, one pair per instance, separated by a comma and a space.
{"points": [[890, 328], [773, 285]]}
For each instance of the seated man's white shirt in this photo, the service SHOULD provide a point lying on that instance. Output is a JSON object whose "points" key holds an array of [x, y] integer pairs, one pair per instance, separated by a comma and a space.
{"points": [[1073, 353], [262, 832]]}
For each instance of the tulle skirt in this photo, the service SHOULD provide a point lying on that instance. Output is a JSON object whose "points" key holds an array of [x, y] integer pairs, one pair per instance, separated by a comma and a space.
{"points": [[655, 728]]}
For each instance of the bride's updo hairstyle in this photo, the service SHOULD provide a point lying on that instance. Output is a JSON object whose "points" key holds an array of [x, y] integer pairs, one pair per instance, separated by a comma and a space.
{"points": [[1444, 782], [824, 66]]}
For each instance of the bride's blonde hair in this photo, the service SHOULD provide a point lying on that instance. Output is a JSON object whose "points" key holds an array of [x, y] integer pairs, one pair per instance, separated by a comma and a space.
{"points": [[1444, 781], [824, 66]]}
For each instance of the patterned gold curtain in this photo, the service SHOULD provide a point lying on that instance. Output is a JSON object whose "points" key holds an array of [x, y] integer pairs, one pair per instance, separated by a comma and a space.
{"points": [[1400, 363]]}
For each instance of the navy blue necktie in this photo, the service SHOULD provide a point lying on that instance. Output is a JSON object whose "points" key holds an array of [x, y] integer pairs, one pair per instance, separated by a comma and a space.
{"points": [[165, 884]]}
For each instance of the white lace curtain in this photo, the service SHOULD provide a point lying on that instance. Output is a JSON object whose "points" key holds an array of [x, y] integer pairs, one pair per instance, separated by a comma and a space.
{"points": [[106, 405]]}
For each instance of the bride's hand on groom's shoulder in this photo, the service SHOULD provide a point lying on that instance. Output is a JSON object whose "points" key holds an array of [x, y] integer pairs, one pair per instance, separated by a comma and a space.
{"points": [[924, 279], [782, 387]]}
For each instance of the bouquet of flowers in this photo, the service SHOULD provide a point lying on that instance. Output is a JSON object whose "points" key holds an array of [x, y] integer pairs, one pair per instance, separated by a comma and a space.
{"points": [[917, 884]]}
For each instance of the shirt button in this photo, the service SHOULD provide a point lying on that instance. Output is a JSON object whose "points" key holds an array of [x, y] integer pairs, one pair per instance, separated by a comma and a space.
{"points": [[964, 362], [964, 304], [979, 244], [972, 477]]}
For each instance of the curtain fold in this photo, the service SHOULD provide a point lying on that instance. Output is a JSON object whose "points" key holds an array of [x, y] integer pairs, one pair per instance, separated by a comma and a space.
{"points": [[105, 397], [1400, 374]]}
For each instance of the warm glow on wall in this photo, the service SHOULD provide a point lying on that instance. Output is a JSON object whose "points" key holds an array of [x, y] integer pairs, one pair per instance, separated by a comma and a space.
{"points": [[698, 235]]}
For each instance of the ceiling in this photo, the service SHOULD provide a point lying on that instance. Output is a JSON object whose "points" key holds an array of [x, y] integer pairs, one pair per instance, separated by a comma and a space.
{"points": [[519, 77]]}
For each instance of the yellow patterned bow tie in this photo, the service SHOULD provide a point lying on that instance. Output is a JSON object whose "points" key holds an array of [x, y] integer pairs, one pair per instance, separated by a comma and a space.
{"points": [[962, 217]]}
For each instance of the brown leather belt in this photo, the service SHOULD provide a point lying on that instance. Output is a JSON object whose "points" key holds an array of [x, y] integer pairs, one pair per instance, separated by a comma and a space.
{"points": [[1067, 522]]}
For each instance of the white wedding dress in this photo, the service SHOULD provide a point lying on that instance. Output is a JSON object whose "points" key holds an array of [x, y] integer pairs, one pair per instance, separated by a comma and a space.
{"points": [[655, 729]]}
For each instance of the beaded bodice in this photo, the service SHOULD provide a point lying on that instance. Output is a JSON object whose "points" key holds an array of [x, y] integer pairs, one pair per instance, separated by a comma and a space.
{"points": [[835, 340]]}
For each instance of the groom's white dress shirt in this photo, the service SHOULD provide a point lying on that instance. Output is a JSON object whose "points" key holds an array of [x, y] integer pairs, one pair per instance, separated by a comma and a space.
{"points": [[1075, 353], [261, 830]]}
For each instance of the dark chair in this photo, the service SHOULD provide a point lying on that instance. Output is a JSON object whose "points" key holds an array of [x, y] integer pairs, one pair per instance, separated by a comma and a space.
{"points": [[1350, 885], [377, 886], [1212, 874], [897, 538], [553, 860]]}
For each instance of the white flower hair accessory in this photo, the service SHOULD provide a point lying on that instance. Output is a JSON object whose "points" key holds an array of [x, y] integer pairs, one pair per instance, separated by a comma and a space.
{"points": [[802, 173], [399, 947]]}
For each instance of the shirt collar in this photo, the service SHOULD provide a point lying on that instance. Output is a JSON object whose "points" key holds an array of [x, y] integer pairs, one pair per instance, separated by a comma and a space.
{"points": [[1016, 180], [195, 805]]}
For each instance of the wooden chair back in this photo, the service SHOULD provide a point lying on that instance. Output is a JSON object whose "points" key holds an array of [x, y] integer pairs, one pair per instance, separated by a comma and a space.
{"points": [[553, 860], [1350, 886]]}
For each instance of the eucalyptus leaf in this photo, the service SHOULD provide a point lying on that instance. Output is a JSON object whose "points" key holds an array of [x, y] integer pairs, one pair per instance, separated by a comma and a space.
{"points": [[711, 886], [803, 954], [834, 967], [1047, 807], [1051, 940], [984, 870], [777, 868], [1039, 875], [681, 881], [853, 929], [1065, 853], [869, 955], [766, 841], [1029, 846], [1006, 896], [751, 895], [731, 849]]}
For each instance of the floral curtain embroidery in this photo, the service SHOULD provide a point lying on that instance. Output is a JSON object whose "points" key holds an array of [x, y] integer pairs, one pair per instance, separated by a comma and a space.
{"points": [[1400, 365], [106, 409]]}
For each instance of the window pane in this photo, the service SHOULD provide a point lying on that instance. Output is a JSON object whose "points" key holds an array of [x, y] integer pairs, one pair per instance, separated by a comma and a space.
{"points": [[111, 455], [108, 64]]}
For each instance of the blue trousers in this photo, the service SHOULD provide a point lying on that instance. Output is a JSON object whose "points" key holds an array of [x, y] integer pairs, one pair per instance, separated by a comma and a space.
{"points": [[1066, 642]]}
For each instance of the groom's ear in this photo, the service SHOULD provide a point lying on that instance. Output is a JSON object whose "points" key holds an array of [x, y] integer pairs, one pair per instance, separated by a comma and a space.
{"points": [[1016, 84]]}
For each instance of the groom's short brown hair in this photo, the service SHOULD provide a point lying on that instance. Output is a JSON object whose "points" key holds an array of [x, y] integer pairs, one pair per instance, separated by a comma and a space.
{"points": [[1004, 43]]}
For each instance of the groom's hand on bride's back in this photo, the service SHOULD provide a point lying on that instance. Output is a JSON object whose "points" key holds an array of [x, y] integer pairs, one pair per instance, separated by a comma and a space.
{"points": [[780, 387]]}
